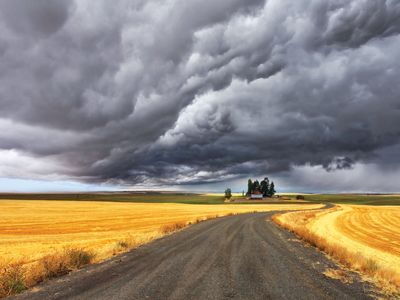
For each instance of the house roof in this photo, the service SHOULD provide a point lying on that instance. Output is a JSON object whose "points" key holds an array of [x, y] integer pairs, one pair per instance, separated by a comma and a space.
{"points": [[256, 196]]}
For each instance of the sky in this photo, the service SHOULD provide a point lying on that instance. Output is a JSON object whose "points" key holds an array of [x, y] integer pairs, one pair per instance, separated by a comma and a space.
{"points": [[200, 95]]}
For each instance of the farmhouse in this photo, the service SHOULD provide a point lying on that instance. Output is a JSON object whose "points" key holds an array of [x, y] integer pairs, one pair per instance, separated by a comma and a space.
{"points": [[260, 190], [256, 195]]}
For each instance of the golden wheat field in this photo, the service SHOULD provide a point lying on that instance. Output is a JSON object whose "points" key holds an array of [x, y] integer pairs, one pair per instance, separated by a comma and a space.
{"points": [[373, 231], [30, 230], [363, 237]]}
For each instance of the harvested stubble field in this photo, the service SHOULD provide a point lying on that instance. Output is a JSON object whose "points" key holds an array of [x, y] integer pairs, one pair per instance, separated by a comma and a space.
{"points": [[44, 239], [30, 230], [365, 238]]}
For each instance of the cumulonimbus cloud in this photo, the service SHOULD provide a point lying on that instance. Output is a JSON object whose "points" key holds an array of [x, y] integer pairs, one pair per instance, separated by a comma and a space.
{"points": [[188, 92]]}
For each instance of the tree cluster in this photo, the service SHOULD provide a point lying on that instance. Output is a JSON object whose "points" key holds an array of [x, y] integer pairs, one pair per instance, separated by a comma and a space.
{"points": [[264, 187], [228, 194]]}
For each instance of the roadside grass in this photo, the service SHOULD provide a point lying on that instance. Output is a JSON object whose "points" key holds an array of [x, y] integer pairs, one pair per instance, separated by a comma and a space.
{"points": [[125, 245], [11, 279], [338, 274], [16, 277], [386, 279], [169, 228], [77, 258], [122, 245], [57, 264], [173, 227]]}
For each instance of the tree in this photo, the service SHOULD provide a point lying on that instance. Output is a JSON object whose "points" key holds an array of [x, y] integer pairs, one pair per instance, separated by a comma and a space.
{"points": [[256, 186], [271, 191], [249, 187], [264, 185], [228, 193]]}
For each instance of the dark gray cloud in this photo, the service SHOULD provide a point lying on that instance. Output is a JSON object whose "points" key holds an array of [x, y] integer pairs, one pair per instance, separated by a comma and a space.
{"points": [[40, 18], [191, 92]]}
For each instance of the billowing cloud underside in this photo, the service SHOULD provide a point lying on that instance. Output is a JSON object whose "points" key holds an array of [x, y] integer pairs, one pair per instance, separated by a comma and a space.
{"points": [[194, 91]]}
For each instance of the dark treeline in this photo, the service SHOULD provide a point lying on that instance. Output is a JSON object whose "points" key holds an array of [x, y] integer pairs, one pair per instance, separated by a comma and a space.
{"points": [[264, 187]]}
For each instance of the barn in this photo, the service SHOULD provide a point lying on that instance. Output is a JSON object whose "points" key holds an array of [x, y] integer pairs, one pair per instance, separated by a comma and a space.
{"points": [[256, 195]]}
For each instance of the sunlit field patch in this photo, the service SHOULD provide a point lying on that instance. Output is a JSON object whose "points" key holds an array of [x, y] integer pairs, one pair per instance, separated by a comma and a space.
{"points": [[44, 239], [30, 230], [365, 238]]}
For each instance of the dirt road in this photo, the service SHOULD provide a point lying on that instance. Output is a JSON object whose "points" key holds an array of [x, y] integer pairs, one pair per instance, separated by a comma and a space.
{"points": [[237, 257]]}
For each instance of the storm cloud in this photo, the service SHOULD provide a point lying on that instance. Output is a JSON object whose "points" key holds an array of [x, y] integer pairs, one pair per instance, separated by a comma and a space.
{"points": [[189, 92]]}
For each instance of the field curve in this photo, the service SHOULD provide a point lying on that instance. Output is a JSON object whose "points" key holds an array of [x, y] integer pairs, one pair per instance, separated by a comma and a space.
{"points": [[365, 238], [371, 231]]}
